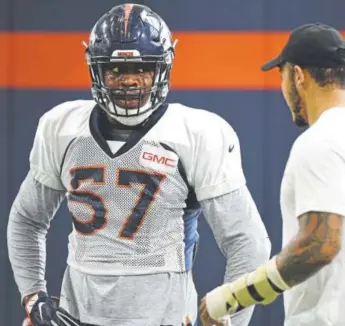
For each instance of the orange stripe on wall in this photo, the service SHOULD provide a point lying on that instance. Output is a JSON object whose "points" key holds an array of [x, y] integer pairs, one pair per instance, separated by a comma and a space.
{"points": [[204, 60]]}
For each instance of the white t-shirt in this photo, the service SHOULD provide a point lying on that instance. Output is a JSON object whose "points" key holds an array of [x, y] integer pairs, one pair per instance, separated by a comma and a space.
{"points": [[314, 180]]}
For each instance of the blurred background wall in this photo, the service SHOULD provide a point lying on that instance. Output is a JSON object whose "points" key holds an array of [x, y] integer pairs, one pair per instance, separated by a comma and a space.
{"points": [[222, 44]]}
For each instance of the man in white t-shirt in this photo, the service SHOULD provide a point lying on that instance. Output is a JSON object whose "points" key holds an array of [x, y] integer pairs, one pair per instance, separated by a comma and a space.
{"points": [[310, 269]]}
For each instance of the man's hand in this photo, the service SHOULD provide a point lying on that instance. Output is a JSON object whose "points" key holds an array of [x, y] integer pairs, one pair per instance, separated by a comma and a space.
{"points": [[40, 309], [206, 320], [26, 322], [43, 310], [218, 304]]}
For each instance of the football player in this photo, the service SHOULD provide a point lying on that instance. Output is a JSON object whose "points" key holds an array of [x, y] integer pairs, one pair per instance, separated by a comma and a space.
{"points": [[136, 172], [311, 265]]}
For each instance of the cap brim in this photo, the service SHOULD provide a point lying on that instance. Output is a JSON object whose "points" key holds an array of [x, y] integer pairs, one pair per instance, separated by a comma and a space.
{"points": [[276, 62]]}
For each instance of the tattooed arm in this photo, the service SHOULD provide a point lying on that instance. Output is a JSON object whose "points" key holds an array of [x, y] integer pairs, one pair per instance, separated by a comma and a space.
{"points": [[315, 246], [313, 193]]}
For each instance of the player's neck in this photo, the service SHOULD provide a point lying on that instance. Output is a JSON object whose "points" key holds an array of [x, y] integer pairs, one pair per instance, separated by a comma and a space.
{"points": [[114, 124], [324, 100]]}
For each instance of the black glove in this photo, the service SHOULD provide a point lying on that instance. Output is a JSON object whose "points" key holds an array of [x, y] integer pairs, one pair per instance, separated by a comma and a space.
{"points": [[43, 311]]}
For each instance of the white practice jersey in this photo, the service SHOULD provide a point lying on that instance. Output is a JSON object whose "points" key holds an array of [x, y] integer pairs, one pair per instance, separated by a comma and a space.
{"points": [[134, 203], [314, 180]]}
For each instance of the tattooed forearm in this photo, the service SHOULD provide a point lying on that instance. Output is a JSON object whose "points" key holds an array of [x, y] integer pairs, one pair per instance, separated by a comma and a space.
{"points": [[316, 244]]}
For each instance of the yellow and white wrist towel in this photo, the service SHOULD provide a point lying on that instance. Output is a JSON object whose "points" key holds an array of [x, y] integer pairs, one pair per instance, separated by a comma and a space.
{"points": [[261, 286]]}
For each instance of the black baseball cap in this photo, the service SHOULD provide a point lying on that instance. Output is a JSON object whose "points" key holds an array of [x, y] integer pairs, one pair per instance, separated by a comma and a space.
{"points": [[312, 45]]}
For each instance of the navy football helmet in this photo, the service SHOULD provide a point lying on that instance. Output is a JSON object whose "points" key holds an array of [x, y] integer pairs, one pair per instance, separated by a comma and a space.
{"points": [[130, 34]]}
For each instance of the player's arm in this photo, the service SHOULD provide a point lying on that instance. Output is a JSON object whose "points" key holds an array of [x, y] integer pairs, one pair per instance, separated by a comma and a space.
{"points": [[318, 178], [39, 196], [229, 209], [29, 220], [240, 235]]}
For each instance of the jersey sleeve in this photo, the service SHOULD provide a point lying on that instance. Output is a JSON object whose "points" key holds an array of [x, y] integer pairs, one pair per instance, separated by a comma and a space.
{"points": [[217, 167], [33, 208], [319, 178], [240, 235], [45, 155]]}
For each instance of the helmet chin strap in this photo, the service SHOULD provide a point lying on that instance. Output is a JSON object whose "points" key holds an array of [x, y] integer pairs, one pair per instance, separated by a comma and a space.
{"points": [[130, 120]]}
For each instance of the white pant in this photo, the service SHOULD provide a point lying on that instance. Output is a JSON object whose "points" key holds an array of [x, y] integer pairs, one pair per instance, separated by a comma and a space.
{"points": [[150, 300]]}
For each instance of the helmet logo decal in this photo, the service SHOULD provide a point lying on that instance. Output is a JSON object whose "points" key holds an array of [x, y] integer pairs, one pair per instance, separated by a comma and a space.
{"points": [[120, 55], [125, 53]]}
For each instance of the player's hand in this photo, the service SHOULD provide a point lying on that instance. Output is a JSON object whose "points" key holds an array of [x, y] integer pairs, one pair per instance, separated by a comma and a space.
{"points": [[219, 304], [206, 320], [26, 322], [43, 310]]}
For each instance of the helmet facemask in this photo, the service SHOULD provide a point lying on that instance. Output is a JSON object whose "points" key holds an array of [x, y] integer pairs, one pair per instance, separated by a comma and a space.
{"points": [[130, 104]]}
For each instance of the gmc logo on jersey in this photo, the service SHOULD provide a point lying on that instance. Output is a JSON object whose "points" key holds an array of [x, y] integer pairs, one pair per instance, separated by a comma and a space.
{"points": [[159, 159]]}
